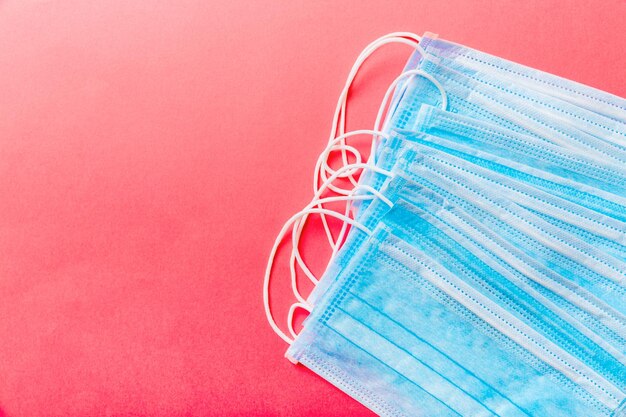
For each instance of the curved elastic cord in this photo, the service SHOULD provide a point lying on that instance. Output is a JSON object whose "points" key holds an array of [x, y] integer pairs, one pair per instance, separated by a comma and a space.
{"points": [[348, 170], [270, 263], [332, 145], [299, 227], [315, 202], [292, 309], [344, 227], [381, 110], [407, 38], [297, 230], [296, 220], [335, 145]]}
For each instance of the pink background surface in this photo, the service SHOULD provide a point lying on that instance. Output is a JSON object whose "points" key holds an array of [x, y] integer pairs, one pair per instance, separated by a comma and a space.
{"points": [[149, 153]]}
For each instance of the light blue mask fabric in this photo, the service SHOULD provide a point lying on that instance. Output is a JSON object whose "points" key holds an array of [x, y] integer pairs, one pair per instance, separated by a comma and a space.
{"points": [[472, 181], [595, 169], [338, 338], [564, 280], [533, 158], [565, 199], [587, 121], [405, 335], [471, 98], [518, 281], [480, 65], [595, 187], [582, 259]]}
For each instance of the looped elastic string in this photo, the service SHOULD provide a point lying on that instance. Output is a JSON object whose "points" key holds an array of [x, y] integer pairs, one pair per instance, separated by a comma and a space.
{"points": [[270, 263], [344, 227], [292, 309], [296, 223], [407, 38], [318, 202], [328, 176], [339, 117], [334, 145], [298, 227], [329, 184]]}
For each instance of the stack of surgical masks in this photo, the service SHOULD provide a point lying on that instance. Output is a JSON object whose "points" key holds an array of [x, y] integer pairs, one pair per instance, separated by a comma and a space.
{"points": [[481, 266]]}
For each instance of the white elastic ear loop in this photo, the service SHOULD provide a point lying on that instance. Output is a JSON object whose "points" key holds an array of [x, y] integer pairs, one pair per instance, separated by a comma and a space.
{"points": [[332, 146], [325, 167], [292, 309], [332, 178], [297, 230], [340, 147], [344, 96], [302, 302], [270, 263], [398, 37], [299, 227], [407, 38], [392, 86], [301, 222], [340, 111], [317, 173], [395, 37]]}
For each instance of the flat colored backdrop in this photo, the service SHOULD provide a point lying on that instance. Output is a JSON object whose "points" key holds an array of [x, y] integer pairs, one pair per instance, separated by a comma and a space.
{"points": [[149, 153]]}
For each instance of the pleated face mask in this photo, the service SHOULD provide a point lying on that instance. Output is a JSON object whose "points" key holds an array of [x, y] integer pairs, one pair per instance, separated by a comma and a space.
{"points": [[556, 182], [484, 272], [484, 67], [528, 154], [589, 277], [405, 334], [507, 108]]}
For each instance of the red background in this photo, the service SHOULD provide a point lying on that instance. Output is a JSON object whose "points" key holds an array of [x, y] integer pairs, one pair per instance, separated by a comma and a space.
{"points": [[149, 153]]}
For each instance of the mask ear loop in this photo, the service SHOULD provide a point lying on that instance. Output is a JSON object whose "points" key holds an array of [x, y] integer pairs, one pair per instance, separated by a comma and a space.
{"points": [[292, 309], [395, 37], [340, 113], [344, 226], [406, 38], [297, 229], [302, 302], [316, 175], [332, 146], [392, 86], [299, 226], [270, 263], [320, 189]]}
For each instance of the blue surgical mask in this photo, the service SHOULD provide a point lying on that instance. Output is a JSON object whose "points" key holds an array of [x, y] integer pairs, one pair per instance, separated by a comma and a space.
{"points": [[564, 279], [406, 336], [471, 98], [527, 154], [477, 64], [488, 276], [580, 205], [472, 181]]}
